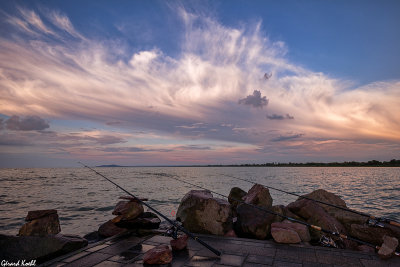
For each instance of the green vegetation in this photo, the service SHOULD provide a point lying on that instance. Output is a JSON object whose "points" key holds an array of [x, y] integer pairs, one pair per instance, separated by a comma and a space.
{"points": [[371, 163]]}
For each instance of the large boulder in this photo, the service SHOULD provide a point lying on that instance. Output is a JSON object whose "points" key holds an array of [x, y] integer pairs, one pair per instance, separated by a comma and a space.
{"points": [[235, 196], [128, 210], [158, 255], [253, 222], [327, 197], [41, 223], [146, 220], [258, 195], [199, 212], [40, 248]]}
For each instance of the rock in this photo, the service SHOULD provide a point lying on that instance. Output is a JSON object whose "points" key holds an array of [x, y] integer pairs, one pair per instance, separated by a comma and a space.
{"points": [[316, 215], [93, 237], [300, 229], [158, 255], [235, 196], [147, 220], [41, 223], [40, 248], [369, 234], [284, 235], [258, 195], [280, 209], [231, 233], [328, 197], [347, 218], [388, 247], [110, 229], [365, 248], [128, 210], [180, 243], [131, 198], [199, 212], [253, 222], [36, 214]]}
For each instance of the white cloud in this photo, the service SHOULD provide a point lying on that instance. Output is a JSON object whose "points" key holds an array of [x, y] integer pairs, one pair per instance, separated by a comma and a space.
{"points": [[217, 66]]}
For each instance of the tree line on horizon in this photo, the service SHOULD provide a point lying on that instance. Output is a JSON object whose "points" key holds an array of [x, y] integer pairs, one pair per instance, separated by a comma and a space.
{"points": [[371, 163]]}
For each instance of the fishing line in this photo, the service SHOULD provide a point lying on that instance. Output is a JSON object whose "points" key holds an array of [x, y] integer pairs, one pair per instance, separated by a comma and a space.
{"points": [[177, 226], [374, 221], [318, 228]]}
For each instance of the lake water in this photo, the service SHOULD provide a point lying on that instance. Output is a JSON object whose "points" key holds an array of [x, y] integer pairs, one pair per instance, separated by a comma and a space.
{"points": [[85, 200]]}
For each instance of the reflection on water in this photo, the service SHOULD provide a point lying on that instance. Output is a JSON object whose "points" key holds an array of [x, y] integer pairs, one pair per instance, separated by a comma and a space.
{"points": [[85, 200]]}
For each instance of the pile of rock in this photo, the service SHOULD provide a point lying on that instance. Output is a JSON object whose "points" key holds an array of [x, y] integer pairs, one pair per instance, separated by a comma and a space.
{"points": [[39, 239], [200, 212], [130, 216]]}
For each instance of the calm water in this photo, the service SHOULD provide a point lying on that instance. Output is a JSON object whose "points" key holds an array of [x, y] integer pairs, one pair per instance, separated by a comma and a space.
{"points": [[85, 200]]}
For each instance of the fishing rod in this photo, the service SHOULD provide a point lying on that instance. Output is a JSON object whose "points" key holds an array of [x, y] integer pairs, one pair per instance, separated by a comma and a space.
{"points": [[372, 220], [318, 228], [174, 224]]}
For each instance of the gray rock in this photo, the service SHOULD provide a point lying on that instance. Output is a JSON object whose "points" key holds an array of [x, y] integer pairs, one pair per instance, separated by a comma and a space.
{"points": [[147, 220], [199, 212], [41, 223], [40, 248], [235, 196], [158, 255], [285, 235], [388, 247], [258, 195], [128, 210]]}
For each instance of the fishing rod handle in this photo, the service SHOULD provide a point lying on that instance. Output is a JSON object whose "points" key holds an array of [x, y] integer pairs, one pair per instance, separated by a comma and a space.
{"points": [[394, 223], [216, 252]]}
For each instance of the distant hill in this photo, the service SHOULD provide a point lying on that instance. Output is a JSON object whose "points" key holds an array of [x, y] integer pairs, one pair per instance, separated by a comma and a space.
{"points": [[111, 165]]}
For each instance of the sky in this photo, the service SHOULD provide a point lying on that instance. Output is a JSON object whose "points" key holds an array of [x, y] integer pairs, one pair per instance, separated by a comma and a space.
{"points": [[144, 83]]}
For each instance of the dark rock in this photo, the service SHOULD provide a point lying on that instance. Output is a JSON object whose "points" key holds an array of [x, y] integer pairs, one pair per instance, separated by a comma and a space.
{"points": [[180, 243], [285, 235], [93, 237], [158, 255], [36, 214], [147, 220], [300, 229], [370, 234], [108, 229], [327, 197], [235, 196], [128, 210], [42, 226], [253, 222], [199, 212], [388, 247], [131, 198], [40, 248], [258, 195]]}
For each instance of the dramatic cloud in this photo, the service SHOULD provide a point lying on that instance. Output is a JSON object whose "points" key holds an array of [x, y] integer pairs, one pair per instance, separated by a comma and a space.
{"points": [[255, 100], [28, 123], [186, 102], [286, 137], [279, 117]]}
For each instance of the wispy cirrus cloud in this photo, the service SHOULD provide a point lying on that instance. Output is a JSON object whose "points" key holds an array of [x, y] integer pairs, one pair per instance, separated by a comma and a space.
{"points": [[191, 96]]}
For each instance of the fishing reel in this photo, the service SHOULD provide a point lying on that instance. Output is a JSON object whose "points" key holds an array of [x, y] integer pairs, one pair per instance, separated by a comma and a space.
{"points": [[328, 242], [173, 230], [375, 223]]}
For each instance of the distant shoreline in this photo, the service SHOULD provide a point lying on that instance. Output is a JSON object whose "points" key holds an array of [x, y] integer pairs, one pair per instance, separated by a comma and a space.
{"points": [[371, 163]]}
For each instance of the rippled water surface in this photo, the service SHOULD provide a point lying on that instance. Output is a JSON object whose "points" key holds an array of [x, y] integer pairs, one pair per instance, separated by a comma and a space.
{"points": [[84, 200]]}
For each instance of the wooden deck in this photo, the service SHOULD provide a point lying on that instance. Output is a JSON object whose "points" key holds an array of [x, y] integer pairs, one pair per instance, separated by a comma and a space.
{"points": [[128, 250]]}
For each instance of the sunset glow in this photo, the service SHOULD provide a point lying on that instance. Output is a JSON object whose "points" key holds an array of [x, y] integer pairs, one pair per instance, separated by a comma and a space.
{"points": [[73, 89]]}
